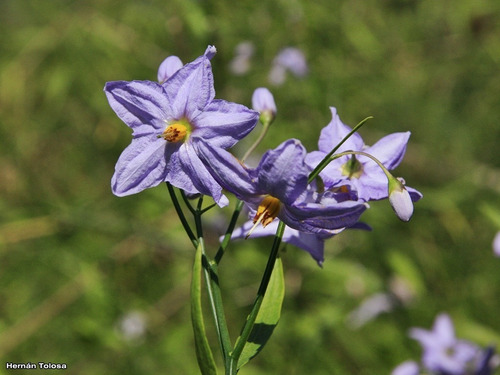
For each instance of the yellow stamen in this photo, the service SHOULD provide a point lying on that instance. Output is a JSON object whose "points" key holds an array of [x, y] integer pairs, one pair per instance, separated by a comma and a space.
{"points": [[267, 211], [175, 132]]}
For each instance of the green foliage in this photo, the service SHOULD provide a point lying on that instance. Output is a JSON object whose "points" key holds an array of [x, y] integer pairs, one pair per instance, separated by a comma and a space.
{"points": [[78, 265], [268, 316], [203, 351]]}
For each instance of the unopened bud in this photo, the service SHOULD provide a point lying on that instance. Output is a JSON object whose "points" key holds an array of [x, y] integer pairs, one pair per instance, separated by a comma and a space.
{"points": [[168, 68], [400, 199], [263, 102]]}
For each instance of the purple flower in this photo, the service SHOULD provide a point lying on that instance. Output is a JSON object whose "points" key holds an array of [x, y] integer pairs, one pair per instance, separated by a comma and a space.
{"points": [[240, 64], [168, 121], [168, 68], [443, 352], [496, 244], [278, 188], [288, 59], [361, 173]]}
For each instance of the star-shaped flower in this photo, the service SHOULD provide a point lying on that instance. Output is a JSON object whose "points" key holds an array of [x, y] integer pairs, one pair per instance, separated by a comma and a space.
{"points": [[443, 352], [168, 120], [361, 173], [278, 188]]}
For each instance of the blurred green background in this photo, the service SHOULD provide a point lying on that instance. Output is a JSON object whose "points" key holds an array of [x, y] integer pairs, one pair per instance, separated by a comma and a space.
{"points": [[101, 283]]}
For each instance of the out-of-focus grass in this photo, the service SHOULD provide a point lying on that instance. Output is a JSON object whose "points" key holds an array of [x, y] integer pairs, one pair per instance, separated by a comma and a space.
{"points": [[75, 261]]}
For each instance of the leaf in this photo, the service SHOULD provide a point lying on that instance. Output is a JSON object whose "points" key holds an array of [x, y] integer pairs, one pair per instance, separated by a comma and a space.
{"points": [[204, 354], [268, 316]]}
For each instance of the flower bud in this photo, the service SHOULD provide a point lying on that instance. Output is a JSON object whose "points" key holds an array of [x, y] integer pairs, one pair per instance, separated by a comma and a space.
{"points": [[263, 102], [168, 68], [400, 199]]}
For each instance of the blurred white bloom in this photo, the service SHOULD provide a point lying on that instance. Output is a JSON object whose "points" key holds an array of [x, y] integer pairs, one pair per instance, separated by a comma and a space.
{"points": [[406, 368], [370, 309], [132, 326]]}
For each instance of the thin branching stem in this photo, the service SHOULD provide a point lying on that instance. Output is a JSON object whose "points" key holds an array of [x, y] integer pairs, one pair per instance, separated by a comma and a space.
{"points": [[229, 232], [180, 213]]}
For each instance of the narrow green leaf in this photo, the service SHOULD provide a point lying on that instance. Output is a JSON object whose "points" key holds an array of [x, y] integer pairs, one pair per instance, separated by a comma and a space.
{"points": [[203, 352], [268, 316]]}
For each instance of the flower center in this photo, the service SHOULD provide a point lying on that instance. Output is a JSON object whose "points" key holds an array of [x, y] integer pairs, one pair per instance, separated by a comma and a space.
{"points": [[352, 168], [175, 132], [267, 211]]}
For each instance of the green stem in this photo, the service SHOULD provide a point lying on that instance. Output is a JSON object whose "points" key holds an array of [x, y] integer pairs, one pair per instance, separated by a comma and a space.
{"points": [[249, 324], [215, 299], [265, 128], [213, 289], [229, 232], [180, 213], [327, 159], [187, 202]]}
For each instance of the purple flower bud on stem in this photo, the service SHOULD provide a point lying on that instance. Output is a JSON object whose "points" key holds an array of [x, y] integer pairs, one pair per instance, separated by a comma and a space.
{"points": [[263, 102]]}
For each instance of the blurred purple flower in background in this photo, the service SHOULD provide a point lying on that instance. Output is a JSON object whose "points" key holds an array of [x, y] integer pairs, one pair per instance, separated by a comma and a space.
{"points": [[240, 64], [444, 354], [442, 351], [289, 59]]}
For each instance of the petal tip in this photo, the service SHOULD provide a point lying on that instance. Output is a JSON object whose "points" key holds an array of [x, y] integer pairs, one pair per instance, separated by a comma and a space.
{"points": [[210, 52]]}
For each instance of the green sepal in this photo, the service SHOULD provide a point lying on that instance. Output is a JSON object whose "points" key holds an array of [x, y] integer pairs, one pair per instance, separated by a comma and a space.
{"points": [[267, 317], [204, 354]]}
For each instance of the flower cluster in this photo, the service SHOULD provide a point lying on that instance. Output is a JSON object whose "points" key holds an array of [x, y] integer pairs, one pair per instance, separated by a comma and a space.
{"points": [[181, 135], [444, 354]]}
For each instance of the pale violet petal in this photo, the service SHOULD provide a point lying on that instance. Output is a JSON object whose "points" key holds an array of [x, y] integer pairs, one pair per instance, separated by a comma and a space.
{"points": [[224, 123], [201, 178], [390, 149], [283, 172], [141, 165], [142, 105]]}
